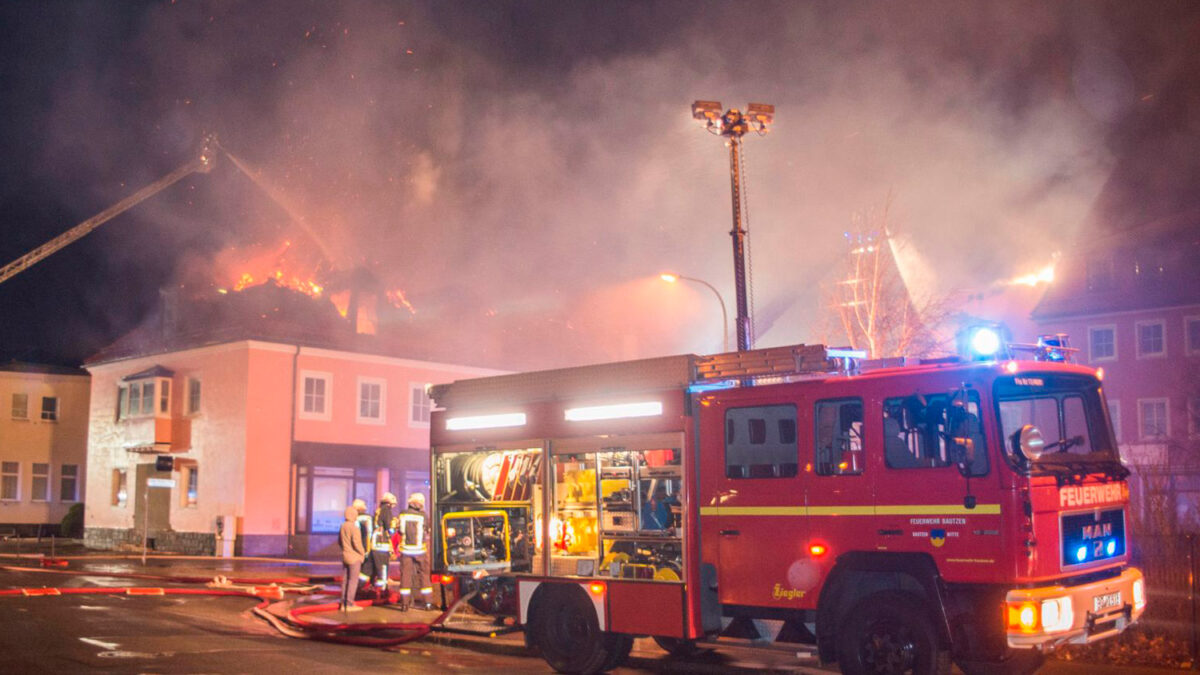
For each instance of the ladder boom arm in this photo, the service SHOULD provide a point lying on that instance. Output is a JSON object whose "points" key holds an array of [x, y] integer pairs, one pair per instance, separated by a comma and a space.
{"points": [[201, 164]]}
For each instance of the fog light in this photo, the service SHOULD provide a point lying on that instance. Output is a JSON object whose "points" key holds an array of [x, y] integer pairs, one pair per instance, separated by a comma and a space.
{"points": [[1023, 616]]}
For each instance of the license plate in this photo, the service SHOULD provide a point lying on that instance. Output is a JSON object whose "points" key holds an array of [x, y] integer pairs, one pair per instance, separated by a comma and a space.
{"points": [[1106, 601]]}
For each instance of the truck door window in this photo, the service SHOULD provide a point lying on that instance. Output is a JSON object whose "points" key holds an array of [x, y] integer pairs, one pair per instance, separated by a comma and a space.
{"points": [[760, 442], [933, 431], [839, 437]]}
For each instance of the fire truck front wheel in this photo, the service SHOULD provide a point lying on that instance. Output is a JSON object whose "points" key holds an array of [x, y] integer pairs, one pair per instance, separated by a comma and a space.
{"points": [[567, 633], [889, 633]]}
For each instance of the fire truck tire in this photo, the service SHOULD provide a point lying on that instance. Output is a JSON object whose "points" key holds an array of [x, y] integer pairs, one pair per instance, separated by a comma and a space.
{"points": [[619, 648], [889, 633], [569, 637], [680, 648]]}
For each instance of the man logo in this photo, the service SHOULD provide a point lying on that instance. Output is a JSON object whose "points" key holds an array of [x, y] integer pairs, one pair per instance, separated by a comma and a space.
{"points": [[937, 537]]}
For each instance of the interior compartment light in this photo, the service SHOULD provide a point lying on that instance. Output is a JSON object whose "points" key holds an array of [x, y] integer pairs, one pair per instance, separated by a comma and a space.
{"points": [[485, 421], [615, 411]]}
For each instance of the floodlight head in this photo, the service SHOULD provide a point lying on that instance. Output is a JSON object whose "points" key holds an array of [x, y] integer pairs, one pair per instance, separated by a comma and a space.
{"points": [[762, 113], [706, 111]]}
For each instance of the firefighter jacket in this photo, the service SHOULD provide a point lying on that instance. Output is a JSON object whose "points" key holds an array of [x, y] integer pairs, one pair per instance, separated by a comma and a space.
{"points": [[366, 528], [411, 526], [381, 536]]}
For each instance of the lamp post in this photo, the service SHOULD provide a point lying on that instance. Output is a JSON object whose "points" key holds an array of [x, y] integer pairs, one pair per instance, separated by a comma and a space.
{"points": [[672, 278], [734, 124]]}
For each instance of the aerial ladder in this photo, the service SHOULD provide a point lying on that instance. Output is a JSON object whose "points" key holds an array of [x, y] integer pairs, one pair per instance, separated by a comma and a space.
{"points": [[201, 164]]}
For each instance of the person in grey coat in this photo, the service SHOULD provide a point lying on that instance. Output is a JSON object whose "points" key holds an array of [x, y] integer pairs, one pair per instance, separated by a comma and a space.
{"points": [[353, 553]]}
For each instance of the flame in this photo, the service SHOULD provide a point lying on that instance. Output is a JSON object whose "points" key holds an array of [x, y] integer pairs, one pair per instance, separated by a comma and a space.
{"points": [[399, 300], [256, 266], [1042, 276]]}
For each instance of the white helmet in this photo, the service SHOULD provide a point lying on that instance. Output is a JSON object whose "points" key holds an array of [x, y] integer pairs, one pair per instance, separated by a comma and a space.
{"points": [[389, 498], [416, 499]]}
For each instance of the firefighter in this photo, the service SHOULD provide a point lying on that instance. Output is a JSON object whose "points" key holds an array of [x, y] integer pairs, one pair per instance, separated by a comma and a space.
{"points": [[414, 572], [381, 543], [366, 526]]}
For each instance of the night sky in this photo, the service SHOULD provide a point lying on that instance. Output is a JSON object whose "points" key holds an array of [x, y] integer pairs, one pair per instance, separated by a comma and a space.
{"points": [[534, 164]]}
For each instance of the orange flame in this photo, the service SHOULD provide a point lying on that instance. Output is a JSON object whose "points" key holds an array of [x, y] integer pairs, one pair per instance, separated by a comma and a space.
{"points": [[399, 300]]}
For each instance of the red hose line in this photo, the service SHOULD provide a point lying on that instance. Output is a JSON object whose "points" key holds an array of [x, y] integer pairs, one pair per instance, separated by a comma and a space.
{"points": [[171, 579], [336, 633]]}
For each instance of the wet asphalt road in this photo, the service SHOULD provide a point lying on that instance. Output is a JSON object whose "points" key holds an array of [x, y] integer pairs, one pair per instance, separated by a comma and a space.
{"points": [[203, 634]]}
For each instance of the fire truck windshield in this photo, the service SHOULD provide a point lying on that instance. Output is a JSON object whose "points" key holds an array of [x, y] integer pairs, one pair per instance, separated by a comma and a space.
{"points": [[1068, 411]]}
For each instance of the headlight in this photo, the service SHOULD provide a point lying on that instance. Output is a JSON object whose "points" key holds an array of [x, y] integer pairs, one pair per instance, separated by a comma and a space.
{"points": [[1057, 614], [1045, 616], [1139, 594]]}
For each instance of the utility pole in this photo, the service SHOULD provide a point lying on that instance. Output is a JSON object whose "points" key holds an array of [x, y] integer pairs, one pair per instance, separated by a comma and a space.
{"points": [[733, 124]]}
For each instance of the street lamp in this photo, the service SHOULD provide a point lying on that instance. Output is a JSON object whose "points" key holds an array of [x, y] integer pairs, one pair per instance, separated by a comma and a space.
{"points": [[734, 124], [672, 278]]}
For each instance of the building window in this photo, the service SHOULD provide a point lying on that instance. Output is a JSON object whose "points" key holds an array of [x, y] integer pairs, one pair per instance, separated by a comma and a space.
{"points": [[1191, 334], [10, 481], [1194, 416], [1099, 274], [1150, 338], [120, 491], [191, 484], [1102, 343], [421, 405], [332, 492], [760, 442], [316, 395], [49, 408], [20, 406], [371, 400], [839, 437], [40, 488], [136, 399], [1114, 413], [1152, 418], [193, 400], [68, 484]]}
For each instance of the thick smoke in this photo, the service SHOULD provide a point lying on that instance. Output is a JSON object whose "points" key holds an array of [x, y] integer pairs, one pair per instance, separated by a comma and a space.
{"points": [[529, 170]]}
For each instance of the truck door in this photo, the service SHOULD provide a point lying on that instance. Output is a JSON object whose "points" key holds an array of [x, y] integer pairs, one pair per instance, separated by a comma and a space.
{"points": [[924, 501], [752, 502]]}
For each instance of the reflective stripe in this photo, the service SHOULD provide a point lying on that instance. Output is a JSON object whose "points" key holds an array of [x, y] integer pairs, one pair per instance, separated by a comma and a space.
{"points": [[405, 591], [412, 533], [879, 510], [427, 589]]}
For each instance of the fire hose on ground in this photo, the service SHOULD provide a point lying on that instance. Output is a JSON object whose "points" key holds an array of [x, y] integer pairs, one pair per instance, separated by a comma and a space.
{"points": [[294, 623]]}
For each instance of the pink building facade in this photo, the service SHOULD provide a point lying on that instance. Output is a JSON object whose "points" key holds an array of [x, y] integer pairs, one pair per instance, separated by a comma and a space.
{"points": [[1131, 303], [232, 429]]}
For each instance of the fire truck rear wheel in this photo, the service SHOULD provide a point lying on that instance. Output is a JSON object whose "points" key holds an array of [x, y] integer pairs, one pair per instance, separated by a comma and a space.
{"points": [[889, 633], [569, 636], [680, 648]]}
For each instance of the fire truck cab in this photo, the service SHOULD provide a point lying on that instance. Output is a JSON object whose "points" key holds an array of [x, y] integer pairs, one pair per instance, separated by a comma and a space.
{"points": [[892, 516]]}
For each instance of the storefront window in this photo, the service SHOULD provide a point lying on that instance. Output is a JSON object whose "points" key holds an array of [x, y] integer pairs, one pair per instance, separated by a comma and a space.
{"points": [[331, 494]]}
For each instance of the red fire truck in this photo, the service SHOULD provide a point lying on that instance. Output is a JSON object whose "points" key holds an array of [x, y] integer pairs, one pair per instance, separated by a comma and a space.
{"points": [[894, 516]]}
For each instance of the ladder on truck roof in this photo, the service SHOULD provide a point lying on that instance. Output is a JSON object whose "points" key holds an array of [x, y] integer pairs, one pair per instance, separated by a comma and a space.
{"points": [[626, 377]]}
